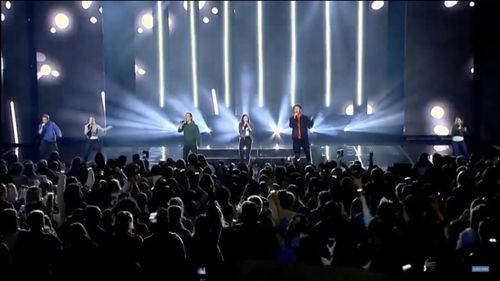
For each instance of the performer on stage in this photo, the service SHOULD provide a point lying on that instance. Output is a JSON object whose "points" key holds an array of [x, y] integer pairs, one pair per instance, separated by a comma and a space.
{"points": [[458, 133], [191, 135], [245, 128], [49, 132], [300, 125], [92, 131]]}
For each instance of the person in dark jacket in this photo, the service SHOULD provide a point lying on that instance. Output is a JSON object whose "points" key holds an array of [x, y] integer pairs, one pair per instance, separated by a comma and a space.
{"points": [[246, 129], [49, 132], [191, 135], [300, 125]]}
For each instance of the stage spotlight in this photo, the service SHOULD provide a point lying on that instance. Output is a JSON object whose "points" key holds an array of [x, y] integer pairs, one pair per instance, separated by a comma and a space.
{"points": [[293, 53], [208, 147], [276, 130], [40, 57], [140, 30], [377, 5], [55, 73], [161, 61], [215, 102], [472, 70], [349, 110], [93, 20], [194, 71], [260, 54], [45, 69], [170, 21], [39, 75], [209, 130], [86, 4], [441, 130], [226, 55], [147, 21], [215, 11], [8, 5], [14, 122], [450, 4], [472, 4], [61, 20], [328, 52], [100, 10], [277, 147], [206, 20], [3, 17], [141, 71], [437, 112], [53, 30], [103, 101], [369, 109], [359, 56], [201, 4], [440, 148], [185, 5]]}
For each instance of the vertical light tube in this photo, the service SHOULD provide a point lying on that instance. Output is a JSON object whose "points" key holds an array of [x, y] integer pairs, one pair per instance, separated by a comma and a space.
{"points": [[215, 102], [161, 66], [327, 152], [359, 60], [328, 56], [227, 86], [293, 58], [14, 126], [260, 55], [163, 154], [103, 102], [194, 71]]}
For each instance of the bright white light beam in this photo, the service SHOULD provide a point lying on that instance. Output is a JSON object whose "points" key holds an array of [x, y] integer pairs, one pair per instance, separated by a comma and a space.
{"points": [[161, 66], [293, 58], [215, 102], [194, 72], [260, 55], [359, 60], [227, 89], [328, 53]]}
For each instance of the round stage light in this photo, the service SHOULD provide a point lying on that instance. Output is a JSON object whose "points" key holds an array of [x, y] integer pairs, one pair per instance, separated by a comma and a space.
{"points": [[185, 5], [140, 30], [147, 21], [206, 20], [141, 71], [201, 4], [3, 17], [8, 5], [61, 20], [441, 130], [349, 110], [40, 57], [86, 4], [55, 73], [170, 21], [440, 148], [472, 70], [437, 112], [377, 5], [45, 69], [53, 30], [100, 10], [450, 4], [93, 20], [277, 147], [215, 11], [472, 4]]}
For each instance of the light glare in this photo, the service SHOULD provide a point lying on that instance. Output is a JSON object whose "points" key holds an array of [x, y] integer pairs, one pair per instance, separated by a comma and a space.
{"points": [[441, 130], [86, 4], [450, 4], [437, 112], [8, 5], [377, 5], [45, 69], [215, 11], [93, 20], [147, 21], [61, 20], [206, 20]]}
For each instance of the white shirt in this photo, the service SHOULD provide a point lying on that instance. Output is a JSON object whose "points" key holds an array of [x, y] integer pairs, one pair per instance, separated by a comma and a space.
{"points": [[457, 138]]}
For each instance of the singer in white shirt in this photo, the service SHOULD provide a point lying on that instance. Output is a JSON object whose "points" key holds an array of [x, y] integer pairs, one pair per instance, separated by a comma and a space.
{"points": [[92, 131]]}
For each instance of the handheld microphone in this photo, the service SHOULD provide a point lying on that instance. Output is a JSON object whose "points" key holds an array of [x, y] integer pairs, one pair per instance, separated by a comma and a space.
{"points": [[181, 122]]}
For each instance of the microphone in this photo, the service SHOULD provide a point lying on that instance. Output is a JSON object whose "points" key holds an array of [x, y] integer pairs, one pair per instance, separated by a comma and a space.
{"points": [[181, 122]]}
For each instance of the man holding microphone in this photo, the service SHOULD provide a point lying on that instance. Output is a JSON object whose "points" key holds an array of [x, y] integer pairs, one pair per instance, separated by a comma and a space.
{"points": [[49, 132], [300, 125], [191, 135]]}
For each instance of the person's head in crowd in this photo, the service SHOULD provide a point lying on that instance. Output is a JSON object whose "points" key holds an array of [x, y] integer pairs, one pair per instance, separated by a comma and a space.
{"points": [[330, 211], [33, 195], [122, 161], [174, 214], [249, 213], [16, 169], [54, 166], [11, 193], [162, 220], [92, 215], [54, 156], [124, 222], [324, 197], [287, 199], [3, 192], [36, 221], [192, 159], [76, 163], [299, 224], [9, 222], [77, 234], [257, 200], [99, 160], [29, 169]]}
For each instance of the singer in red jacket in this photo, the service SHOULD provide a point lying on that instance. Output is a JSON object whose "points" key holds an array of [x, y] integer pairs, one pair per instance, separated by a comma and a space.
{"points": [[300, 125]]}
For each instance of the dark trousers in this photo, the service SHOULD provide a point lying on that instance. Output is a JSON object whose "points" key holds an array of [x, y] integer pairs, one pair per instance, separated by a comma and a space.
{"points": [[304, 144], [91, 146], [245, 148], [460, 148], [187, 149], [46, 147]]}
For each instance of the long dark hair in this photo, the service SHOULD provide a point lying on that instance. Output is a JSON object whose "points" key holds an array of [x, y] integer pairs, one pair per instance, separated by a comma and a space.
{"points": [[243, 116]]}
